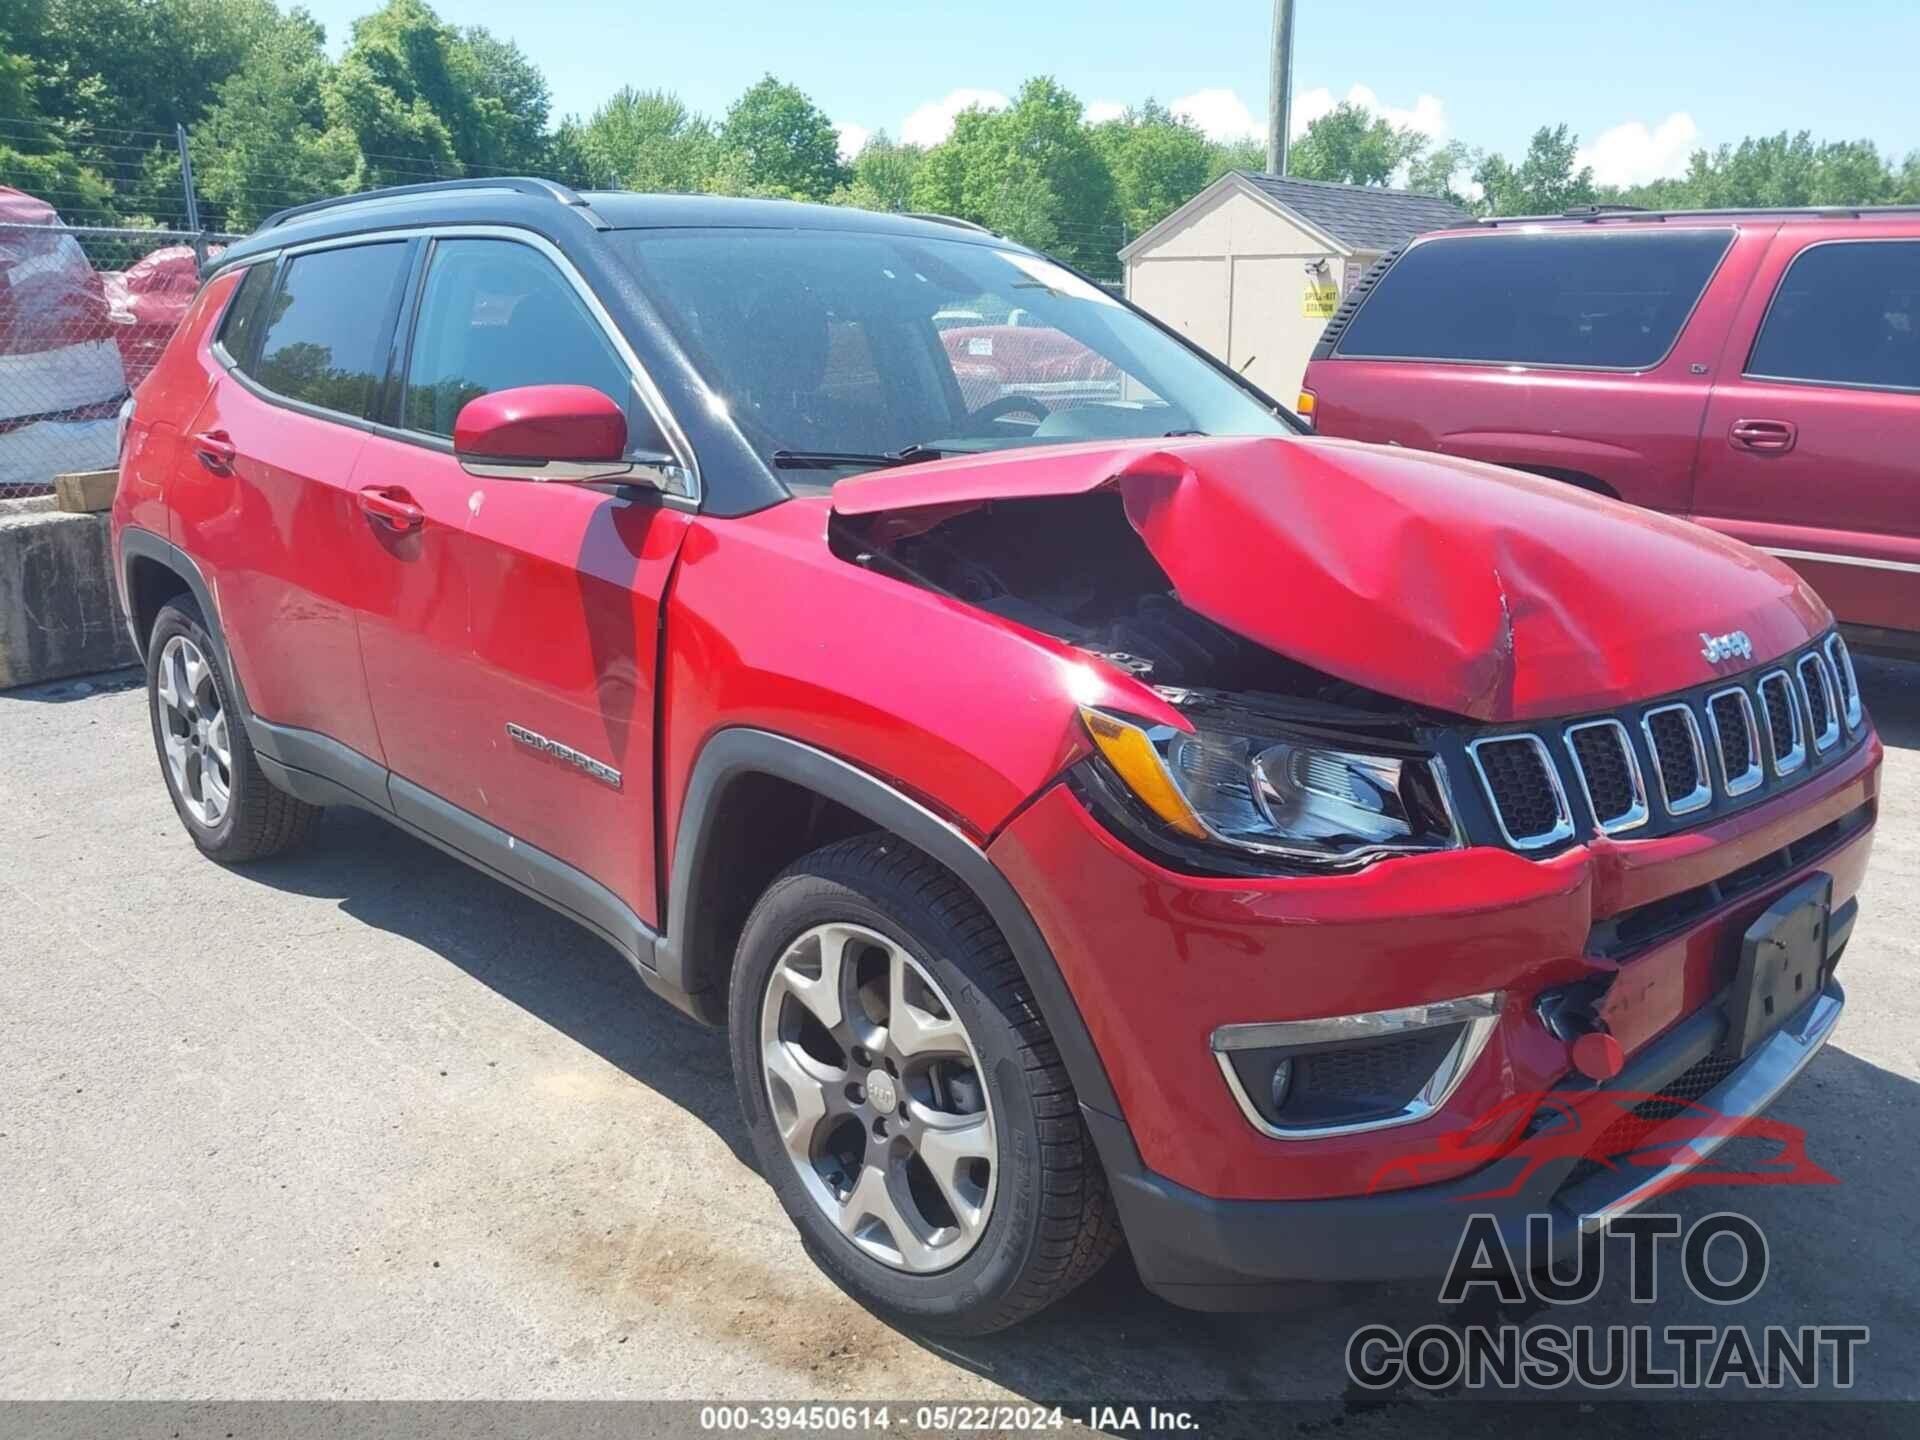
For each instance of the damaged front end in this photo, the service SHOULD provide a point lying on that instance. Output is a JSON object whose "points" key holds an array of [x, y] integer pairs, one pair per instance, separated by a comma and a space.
{"points": [[1284, 767]]}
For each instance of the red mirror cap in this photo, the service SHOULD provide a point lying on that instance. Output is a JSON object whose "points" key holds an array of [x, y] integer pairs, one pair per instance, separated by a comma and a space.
{"points": [[541, 422]]}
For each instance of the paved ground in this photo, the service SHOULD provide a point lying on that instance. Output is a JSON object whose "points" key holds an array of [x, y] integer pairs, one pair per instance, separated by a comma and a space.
{"points": [[364, 1124]]}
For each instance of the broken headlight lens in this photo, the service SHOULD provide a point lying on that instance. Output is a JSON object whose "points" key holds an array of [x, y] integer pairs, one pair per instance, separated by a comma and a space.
{"points": [[1294, 798]]}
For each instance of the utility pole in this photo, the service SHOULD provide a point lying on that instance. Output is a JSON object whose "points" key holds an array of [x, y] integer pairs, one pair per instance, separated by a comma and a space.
{"points": [[1280, 87]]}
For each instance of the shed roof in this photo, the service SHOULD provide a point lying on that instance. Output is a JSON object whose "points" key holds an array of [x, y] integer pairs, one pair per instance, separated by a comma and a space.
{"points": [[1353, 217]]}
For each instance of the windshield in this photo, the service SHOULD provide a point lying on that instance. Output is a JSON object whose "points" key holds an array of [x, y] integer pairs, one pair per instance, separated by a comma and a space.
{"points": [[834, 350]]}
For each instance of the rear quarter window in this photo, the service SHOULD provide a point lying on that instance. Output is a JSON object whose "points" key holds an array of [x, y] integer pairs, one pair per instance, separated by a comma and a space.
{"points": [[239, 326], [326, 329], [1611, 300], [1846, 313]]}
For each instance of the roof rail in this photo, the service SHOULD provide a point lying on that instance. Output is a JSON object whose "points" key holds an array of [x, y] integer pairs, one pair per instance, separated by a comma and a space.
{"points": [[937, 219], [516, 184], [1591, 213]]}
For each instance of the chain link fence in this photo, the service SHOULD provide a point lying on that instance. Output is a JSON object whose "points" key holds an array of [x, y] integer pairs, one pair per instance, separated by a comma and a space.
{"points": [[84, 314]]}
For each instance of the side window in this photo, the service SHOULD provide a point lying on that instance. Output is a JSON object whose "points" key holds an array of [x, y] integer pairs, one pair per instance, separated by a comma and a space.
{"points": [[241, 322], [495, 315], [1846, 313], [326, 328], [1612, 300]]}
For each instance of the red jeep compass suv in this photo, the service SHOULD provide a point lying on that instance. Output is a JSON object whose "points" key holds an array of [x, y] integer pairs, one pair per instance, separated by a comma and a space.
{"points": [[1757, 372], [1090, 811]]}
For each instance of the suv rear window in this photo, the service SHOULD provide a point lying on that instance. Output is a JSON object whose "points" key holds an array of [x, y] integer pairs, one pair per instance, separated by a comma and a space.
{"points": [[328, 325], [1846, 313], [1612, 300]]}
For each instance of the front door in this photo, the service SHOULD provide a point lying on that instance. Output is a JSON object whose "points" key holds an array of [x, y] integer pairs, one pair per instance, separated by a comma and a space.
{"points": [[1809, 450], [511, 624]]}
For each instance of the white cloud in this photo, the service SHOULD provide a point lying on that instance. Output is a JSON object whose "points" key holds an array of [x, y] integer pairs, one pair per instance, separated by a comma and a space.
{"points": [[1221, 113], [1632, 154], [853, 138], [1101, 111], [933, 121], [1428, 114], [1225, 116]]}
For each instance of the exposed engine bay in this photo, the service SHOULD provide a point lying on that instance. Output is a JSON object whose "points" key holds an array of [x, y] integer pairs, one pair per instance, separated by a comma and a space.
{"points": [[1073, 567]]}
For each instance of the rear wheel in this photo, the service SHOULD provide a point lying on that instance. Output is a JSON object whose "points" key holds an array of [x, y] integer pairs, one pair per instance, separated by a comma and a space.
{"points": [[905, 1100], [229, 808]]}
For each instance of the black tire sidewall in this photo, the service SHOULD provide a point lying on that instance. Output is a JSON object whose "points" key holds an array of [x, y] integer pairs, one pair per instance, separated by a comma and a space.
{"points": [[176, 618], [979, 1284]]}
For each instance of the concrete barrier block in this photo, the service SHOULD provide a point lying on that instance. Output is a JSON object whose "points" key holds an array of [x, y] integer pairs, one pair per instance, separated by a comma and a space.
{"points": [[59, 612], [86, 491]]}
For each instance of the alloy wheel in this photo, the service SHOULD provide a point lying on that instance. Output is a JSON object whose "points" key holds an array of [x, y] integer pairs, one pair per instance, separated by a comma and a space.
{"points": [[193, 731], [877, 1093]]}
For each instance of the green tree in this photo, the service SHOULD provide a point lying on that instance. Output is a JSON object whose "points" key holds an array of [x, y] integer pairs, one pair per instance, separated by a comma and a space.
{"points": [[1434, 173], [883, 174], [424, 100], [267, 141], [1353, 145], [1031, 172], [1243, 154], [1157, 160], [639, 140], [776, 141], [1545, 182]]}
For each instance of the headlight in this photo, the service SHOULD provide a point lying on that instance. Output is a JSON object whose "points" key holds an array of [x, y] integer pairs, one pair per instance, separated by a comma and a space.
{"points": [[1291, 797]]}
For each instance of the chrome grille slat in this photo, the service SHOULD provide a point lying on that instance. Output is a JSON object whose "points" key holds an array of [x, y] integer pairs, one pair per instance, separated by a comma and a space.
{"points": [[1780, 699], [1676, 757], [1736, 739], [1840, 659], [1603, 802], [1507, 767], [1823, 709]]}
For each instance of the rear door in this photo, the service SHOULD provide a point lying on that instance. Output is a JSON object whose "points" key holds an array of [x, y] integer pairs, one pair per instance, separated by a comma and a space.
{"points": [[265, 504], [513, 613], [1811, 447], [1579, 352]]}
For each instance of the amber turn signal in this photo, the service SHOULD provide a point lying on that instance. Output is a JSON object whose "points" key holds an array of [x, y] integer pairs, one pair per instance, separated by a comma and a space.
{"points": [[1128, 750]]}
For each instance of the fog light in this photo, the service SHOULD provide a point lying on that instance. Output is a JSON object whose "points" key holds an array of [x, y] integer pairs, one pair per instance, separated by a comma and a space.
{"points": [[1281, 1083]]}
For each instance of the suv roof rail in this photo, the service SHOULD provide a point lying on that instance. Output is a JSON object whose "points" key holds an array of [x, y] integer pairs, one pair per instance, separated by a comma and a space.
{"points": [[1591, 213], [939, 219], [514, 184]]}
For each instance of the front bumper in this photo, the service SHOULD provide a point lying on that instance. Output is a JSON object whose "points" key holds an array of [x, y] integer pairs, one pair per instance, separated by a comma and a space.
{"points": [[1213, 1254], [1156, 961]]}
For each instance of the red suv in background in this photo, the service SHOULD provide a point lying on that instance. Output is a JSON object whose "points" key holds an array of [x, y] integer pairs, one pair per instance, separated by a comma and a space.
{"points": [[1088, 812], [1757, 372]]}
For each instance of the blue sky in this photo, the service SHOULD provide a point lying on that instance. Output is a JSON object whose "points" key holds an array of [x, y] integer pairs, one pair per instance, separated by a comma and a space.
{"points": [[1641, 83]]}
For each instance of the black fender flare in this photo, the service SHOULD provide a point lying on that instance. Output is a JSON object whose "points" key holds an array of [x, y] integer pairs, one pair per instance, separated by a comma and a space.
{"points": [[739, 751], [139, 544]]}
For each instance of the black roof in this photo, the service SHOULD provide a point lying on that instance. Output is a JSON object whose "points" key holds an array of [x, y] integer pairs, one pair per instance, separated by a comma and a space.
{"points": [[1361, 217], [547, 208]]}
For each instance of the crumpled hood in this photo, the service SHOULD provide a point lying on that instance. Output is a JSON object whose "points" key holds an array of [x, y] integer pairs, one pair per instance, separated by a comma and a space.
{"points": [[1465, 587]]}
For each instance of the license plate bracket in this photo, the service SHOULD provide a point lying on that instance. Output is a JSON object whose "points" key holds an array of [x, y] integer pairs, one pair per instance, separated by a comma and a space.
{"points": [[1783, 959]]}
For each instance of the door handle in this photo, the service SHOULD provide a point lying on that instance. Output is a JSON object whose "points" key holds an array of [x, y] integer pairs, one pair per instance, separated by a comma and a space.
{"points": [[1772, 436], [215, 450], [391, 506]]}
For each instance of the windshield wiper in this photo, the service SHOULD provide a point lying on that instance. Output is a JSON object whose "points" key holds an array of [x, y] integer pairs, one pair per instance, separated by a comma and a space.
{"points": [[834, 459]]}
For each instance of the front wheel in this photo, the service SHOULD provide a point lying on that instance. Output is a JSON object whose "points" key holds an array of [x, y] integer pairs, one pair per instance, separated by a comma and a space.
{"points": [[906, 1102]]}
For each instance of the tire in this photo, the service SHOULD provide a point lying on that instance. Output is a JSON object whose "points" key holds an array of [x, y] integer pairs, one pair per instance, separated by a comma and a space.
{"points": [[202, 742], [1024, 1231]]}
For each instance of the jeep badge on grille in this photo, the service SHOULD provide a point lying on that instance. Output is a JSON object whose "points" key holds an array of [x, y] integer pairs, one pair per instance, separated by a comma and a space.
{"points": [[1727, 647]]}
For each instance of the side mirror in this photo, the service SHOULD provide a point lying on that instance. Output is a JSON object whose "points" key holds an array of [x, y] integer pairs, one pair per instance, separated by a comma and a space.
{"points": [[556, 433]]}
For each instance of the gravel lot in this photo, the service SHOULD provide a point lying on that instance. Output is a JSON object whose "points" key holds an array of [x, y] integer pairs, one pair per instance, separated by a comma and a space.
{"points": [[364, 1124]]}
